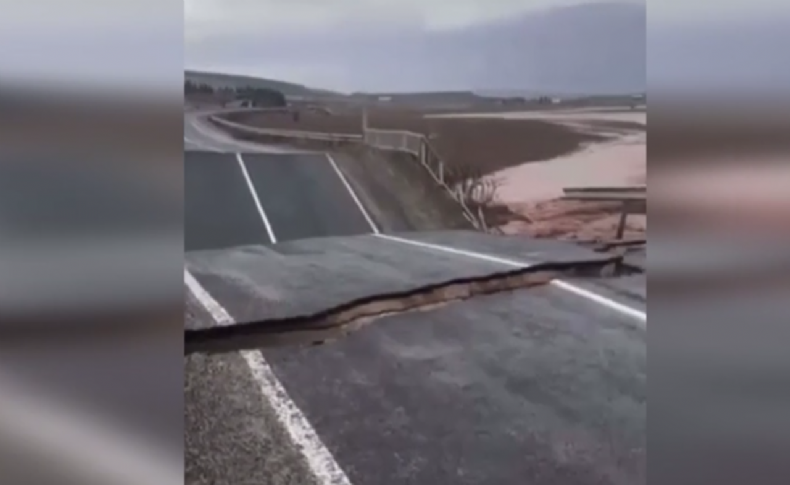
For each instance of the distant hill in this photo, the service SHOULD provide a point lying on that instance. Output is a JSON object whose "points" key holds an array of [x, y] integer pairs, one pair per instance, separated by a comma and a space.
{"points": [[218, 80]]}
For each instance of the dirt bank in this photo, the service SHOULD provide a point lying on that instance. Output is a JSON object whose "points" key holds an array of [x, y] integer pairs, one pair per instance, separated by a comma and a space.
{"points": [[532, 190]]}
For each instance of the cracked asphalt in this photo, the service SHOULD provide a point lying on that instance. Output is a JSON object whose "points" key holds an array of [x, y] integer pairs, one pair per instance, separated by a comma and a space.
{"points": [[539, 386]]}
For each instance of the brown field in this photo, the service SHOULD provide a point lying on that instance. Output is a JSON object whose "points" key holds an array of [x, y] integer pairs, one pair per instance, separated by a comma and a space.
{"points": [[200, 100], [490, 144]]}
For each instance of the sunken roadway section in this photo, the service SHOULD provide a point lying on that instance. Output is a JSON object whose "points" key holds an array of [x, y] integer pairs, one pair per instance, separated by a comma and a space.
{"points": [[495, 371], [327, 286], [450, 356]]}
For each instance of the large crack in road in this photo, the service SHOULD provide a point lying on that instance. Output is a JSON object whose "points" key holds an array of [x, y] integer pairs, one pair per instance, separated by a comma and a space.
{"points": [[340, 320]]}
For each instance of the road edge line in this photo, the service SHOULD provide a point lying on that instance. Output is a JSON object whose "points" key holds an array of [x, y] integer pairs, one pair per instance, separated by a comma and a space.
{"points": [[318, 457], [589, 295], [255, 198], [353, 194]]}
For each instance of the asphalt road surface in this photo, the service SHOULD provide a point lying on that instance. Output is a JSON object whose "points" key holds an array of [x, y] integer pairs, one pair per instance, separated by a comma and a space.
{"points": [[246, 199], [543, 386]]}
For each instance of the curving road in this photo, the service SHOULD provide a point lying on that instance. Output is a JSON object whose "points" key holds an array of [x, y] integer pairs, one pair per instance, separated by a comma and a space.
{"points": [[540, 386]]}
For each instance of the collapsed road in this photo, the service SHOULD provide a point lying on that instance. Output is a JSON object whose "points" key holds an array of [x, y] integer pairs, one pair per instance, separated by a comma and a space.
{"points": [[339, 320], [481, 366]]}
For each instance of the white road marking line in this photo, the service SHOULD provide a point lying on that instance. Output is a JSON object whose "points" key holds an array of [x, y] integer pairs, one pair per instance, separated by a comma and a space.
{"points": [[601, 300], [321, 462], [459, 252], [255, 198], [353, 194]]}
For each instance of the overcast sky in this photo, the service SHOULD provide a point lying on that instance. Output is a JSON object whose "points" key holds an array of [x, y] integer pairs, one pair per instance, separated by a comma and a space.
{"points": [[245, 17], [150, 41], [207, 18], [276, 38], [236, 35], [231, 35]]}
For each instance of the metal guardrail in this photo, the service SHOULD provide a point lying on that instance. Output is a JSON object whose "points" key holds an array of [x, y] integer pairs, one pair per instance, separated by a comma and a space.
{"points": [[403, 141], [632, 198], [304, 135], [627, 189], [614, 194]]}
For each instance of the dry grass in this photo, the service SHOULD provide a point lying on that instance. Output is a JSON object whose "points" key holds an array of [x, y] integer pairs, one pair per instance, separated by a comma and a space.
{"points": [[574, 220]]}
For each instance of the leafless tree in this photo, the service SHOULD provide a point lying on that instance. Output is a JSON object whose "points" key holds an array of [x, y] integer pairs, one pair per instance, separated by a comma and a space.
{"points": [[475, 188]]}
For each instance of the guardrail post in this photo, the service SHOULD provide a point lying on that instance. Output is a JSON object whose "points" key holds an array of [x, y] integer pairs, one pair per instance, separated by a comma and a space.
{"points": [[441, 171], [621, 223]]}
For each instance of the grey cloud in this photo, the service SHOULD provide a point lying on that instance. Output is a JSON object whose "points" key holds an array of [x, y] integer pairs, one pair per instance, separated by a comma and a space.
{"points": [[598, 47]]}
